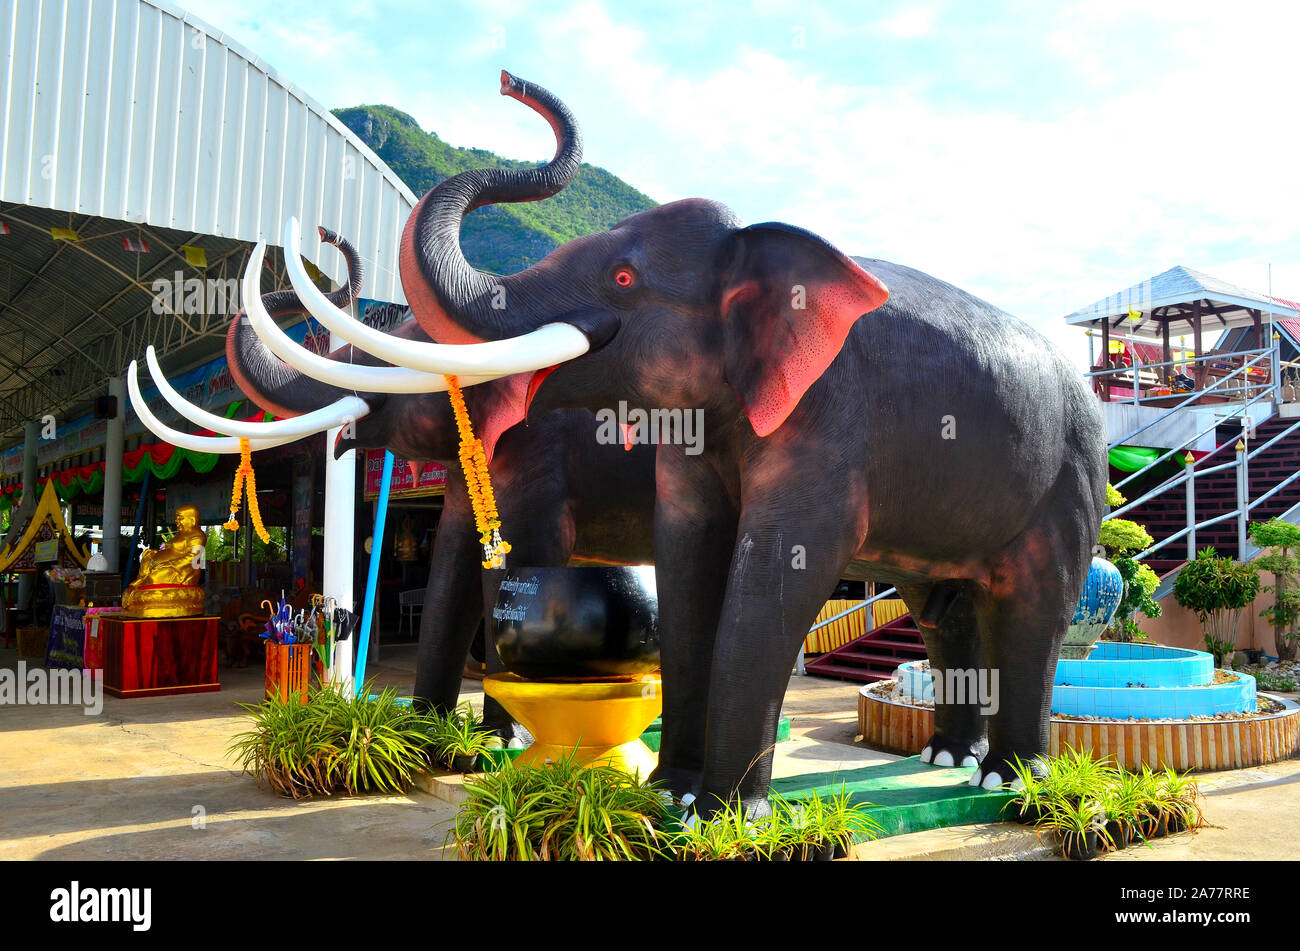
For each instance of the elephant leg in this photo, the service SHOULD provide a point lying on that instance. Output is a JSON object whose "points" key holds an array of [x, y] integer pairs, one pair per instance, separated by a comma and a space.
{"points": [[1023, 619], [452, 607], [692, 545], [780, 577], [945, 614]]}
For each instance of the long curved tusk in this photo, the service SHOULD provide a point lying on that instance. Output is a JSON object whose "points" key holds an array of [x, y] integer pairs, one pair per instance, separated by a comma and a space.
{"points": [[545, 347], [224, 444], [347, 409], [348, 376]]}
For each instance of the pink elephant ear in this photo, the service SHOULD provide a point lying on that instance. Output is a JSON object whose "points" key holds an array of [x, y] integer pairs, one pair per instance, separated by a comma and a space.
{"points": [[788, 300]]}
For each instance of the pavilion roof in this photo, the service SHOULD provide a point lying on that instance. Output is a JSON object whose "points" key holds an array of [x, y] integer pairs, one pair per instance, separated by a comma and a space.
{"points": [[1174, 295]]}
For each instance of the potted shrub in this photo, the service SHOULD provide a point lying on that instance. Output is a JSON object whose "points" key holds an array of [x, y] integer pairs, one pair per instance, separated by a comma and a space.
{"points": [[1282, 542], [1080, 828], [726, 836], [561, 812], [804, 822], [1216, 589], [845, 823], [1031, 798], [1124, 805], [1179, 798], [334, 742], [456, 739]]}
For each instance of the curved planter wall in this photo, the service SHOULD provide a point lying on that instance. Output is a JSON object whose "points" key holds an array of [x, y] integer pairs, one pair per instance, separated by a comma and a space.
{"points": [[1181, 745]]}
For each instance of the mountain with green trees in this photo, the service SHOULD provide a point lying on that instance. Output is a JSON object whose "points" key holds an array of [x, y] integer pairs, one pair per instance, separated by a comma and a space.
{"points": [[497, 238]]}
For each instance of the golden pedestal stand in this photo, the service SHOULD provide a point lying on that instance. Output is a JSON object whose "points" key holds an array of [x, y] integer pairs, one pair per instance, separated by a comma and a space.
{"points": [[594, 720]]}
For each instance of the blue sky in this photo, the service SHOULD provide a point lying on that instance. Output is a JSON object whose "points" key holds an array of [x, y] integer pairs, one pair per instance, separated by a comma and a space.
{"points": [[1039, 155]]}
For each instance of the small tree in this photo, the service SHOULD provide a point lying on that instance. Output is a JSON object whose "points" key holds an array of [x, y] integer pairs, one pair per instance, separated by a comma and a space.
{"points": [[1121, 537], [1216, 589], [1282, 540]]}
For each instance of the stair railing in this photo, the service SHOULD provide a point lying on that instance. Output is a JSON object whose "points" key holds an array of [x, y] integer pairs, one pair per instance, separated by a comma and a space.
{"points": [[1195, 395], [1197, 469], [851, 609]]}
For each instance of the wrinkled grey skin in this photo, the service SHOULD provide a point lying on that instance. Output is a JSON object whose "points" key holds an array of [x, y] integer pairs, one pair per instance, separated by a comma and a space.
{"points": [[824, 454]]}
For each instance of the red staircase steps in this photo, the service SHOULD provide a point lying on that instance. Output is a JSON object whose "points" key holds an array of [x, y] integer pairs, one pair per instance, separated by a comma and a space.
{"points": [[1217, 495], [874, 655]]}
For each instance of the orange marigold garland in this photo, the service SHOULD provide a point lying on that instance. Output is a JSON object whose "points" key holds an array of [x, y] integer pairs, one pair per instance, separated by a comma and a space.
{"points": [[473, 460], [244, 479]]}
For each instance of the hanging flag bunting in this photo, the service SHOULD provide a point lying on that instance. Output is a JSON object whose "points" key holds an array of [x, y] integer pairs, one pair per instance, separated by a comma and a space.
{"points": [[196, 257], [313, 271], [64, 234], [138, 245], [4, 227]]}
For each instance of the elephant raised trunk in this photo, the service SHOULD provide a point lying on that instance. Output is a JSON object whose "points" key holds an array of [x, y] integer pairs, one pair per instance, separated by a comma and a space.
{"points": [[454, 302], [270, 382]]}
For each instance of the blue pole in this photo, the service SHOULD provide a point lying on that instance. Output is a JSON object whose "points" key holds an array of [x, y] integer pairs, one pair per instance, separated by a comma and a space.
{"points": [[372, 579]]}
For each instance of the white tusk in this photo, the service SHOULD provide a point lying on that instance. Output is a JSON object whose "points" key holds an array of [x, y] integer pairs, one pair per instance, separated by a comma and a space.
{"points": [[227, 444], [349, 408], [349, 376], [547, 346]]}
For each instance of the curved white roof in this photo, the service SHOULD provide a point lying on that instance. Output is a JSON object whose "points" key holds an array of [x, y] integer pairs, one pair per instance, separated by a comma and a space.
{"points": [[138, 111]]}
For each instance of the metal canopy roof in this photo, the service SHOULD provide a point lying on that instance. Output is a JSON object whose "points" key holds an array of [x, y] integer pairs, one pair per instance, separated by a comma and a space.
{"points": [[1173, 296], [134, 119]]}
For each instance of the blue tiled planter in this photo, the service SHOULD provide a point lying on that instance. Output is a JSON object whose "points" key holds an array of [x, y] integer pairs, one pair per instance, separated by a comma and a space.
{"points": [[1101, 595]]}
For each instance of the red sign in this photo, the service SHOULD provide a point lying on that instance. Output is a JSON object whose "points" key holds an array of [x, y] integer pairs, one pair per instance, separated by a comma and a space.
{"points": [[410, 479]]}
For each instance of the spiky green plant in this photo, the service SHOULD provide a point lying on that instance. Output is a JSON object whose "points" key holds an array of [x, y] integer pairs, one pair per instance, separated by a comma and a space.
{"points": [[560, 812], [458, 733], [334, 742]]}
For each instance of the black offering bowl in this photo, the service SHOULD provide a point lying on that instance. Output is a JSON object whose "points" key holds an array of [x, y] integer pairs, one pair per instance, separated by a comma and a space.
{"points": [[578, 623]]}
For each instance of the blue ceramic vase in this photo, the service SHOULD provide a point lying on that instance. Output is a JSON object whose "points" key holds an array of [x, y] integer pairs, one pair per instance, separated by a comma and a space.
{"points": [[1101, 595]]}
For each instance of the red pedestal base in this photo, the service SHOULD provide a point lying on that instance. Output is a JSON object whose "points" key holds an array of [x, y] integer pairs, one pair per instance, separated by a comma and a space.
{"points": [[153, 657]]}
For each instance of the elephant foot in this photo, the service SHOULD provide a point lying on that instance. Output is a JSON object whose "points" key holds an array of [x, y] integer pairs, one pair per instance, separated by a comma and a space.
{"points": [[998, 770], [682, 784], [941, 750], [710, 804]]}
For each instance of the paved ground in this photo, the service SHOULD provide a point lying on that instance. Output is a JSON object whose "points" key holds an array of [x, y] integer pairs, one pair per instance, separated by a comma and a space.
{"points": [[151, 778]]}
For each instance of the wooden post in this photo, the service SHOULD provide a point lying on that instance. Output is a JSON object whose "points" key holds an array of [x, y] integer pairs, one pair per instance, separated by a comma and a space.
{"points": [[1104, 389], [1198, 374], [1166, 372]]}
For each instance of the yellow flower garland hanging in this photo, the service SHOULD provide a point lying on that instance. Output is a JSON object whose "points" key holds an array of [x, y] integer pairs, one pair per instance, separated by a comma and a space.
{"points": [[473, 460], [244, 478]]}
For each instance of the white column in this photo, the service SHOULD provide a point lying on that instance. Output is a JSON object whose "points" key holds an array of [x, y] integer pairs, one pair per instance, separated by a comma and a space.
{"points": [[112, 520], [340, 539], [29, 485]]}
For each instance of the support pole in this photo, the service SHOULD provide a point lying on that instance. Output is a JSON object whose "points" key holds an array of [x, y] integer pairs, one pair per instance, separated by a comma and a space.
{"points": [[340, 538], [113, 444], [29, 485], [372, 578], [1243, 494], [1189, 463]]}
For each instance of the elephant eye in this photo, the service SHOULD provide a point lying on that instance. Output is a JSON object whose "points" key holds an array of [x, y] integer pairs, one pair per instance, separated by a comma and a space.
{"points": [[624, 276]]}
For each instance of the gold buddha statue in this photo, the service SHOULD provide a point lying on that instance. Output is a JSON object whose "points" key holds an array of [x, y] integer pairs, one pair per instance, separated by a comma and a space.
{"points": [[168, 582]]}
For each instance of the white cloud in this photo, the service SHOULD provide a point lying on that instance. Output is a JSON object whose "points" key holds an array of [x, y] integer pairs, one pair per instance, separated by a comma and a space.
{"points": [[908, 24]]}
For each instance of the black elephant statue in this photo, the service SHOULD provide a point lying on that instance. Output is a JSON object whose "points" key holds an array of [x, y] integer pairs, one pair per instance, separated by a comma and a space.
{"points": [[936, 443]]}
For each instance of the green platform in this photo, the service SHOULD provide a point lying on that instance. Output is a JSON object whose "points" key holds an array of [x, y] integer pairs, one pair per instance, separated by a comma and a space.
{"points": [[909, 795], [654, 732], [651, 737]]}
